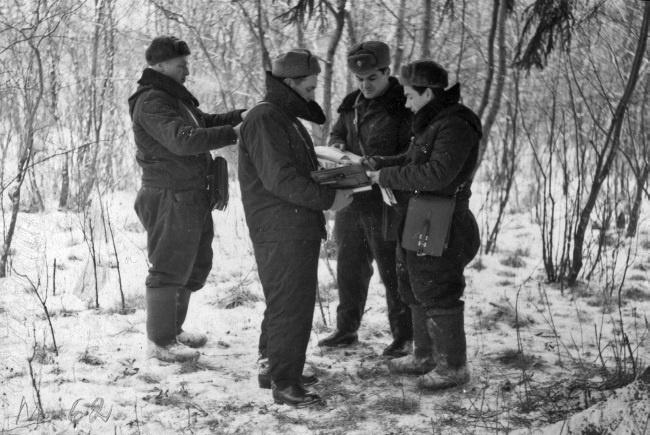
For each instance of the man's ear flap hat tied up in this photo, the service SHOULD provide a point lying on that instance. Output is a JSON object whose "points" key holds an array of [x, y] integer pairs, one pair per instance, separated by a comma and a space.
{"points": [[295, 63], [163, 48]]}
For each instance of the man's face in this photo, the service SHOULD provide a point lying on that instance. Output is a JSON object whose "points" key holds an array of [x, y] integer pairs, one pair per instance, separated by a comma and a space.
{"points": [[414, 100], [373, 83], [176, 68], [305, 87]]}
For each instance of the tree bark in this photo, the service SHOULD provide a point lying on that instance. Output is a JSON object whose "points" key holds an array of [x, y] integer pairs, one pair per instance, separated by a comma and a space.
{"points": [[426, 29], [636, 206], [490, 60], [399, 37]]}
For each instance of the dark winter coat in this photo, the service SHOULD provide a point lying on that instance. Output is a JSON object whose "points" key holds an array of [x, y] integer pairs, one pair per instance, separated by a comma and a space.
{"points": [[382, 127], [276, 156], [173, 137], [443, 154]]}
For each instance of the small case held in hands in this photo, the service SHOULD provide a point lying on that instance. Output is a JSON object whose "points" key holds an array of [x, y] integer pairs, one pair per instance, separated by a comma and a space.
{"points": [[218, 183], [343, 177]]}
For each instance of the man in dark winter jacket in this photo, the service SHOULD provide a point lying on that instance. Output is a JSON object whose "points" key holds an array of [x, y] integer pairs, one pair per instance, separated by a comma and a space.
{"points": [[372, 121], [439, 164], [284, 212], [174, 139]]}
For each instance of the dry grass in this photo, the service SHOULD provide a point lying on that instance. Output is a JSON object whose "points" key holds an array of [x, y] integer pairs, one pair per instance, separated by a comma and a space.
{"points": [[515, 261], [404, 404], [88, 358]]}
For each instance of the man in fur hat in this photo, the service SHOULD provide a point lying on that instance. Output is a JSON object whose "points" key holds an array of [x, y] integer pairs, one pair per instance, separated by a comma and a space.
{"points": [[284, 212], [174, 138], [438, 165], [372, 121]]}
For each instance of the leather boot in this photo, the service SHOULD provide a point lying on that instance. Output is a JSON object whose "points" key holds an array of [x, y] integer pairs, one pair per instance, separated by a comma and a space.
{"points": [[398, 348], [296, 396], [307, 378], [447, 332], [421, 360], [191, 339], [339, 339]]}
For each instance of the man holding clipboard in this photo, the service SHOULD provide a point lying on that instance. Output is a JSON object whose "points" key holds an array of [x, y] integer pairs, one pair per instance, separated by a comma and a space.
{"points": [[372, 121]]}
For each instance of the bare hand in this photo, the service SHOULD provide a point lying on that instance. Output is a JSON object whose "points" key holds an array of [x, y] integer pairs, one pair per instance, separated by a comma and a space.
{"points": [[342, 199], [374, 176], [243, 114]]}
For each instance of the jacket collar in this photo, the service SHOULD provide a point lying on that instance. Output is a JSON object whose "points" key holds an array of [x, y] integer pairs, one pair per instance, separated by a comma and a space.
{"points": [[433, 109], [291, 102], [153, 79], [392, 100]]}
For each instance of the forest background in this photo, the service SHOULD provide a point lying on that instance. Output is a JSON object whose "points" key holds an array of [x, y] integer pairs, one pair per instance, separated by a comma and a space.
{"points": [[561, 86]]}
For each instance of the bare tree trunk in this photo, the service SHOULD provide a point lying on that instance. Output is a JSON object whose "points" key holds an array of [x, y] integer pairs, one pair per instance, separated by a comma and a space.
{"points": [[14, 195], [501, 80], [508, 168], [300, 34], [461, 51], [399, 37], [352, 31], [636, 205], [490, 60], [339, 16], [266, 59], [426, 29], [610, 149], [32, 104]]}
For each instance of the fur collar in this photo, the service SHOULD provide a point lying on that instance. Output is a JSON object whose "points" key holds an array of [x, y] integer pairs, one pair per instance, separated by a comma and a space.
{"points": [[393, 99], [153, 79], [291, 102]]}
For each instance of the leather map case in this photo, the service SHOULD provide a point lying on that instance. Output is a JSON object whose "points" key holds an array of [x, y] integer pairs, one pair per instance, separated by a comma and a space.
{"points": [[427, 224]]}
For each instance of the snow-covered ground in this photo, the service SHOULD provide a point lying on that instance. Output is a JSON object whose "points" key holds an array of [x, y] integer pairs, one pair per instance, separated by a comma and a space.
{"points": [[536, 351]]}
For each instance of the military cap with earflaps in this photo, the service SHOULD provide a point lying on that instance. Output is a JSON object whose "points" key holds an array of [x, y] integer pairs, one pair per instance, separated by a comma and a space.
{"points": [[163, 48], [295, 63], [368, 56], [424, 73]]}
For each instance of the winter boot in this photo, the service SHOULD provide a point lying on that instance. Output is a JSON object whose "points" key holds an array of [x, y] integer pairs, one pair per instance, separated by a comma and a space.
{"points": [[339, 338], [171, 353], [421, 360], [191, 339], [447, 331], [307, 379], [161, 327]]}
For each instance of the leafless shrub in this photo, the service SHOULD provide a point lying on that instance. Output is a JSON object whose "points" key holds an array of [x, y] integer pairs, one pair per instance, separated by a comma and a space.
{"points": [[238, 296]]}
